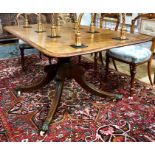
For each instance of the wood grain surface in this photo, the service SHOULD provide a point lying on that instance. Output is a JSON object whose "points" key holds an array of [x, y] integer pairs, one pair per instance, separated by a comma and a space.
{"points": [[60, 47]]}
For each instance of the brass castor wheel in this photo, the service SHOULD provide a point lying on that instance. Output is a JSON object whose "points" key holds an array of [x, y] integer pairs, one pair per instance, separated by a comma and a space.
{"points": [[44, 129], [118, 97], [42, 133], [18, 93]]}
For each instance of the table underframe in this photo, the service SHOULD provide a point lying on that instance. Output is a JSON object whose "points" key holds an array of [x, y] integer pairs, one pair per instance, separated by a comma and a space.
{"points": [[58, 72]]}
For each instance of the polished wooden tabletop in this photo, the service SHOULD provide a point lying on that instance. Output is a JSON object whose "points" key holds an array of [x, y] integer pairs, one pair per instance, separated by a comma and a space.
{"points": [[60, 47]]}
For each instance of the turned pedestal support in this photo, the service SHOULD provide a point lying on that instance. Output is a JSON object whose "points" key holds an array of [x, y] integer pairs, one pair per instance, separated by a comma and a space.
{"points": [[63, 69]]}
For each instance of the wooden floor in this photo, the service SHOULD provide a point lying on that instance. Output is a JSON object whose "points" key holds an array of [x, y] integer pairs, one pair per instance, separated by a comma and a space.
{"points": [[124, 68]]}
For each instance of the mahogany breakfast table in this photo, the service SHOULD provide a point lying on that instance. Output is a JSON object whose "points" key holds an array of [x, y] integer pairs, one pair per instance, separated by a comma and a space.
{"points": [[61, 48]]}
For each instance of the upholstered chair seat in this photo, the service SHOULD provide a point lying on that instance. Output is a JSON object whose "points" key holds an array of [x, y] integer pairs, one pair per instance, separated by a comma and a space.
{"points": [[23, 44], [146, 44], [132, 54]]}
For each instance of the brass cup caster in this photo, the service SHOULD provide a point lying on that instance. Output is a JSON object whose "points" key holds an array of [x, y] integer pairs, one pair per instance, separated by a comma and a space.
{"points": [[19, 93], [42, 133]]}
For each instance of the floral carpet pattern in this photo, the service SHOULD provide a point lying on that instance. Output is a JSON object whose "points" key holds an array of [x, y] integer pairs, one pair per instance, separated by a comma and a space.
{"points": [[80, 115]]}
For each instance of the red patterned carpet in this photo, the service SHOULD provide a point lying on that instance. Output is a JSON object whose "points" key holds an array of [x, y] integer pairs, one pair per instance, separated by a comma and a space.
{"points": [[80, 116]]}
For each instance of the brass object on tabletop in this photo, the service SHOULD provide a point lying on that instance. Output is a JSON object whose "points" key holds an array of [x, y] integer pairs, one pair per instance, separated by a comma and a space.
{"points": [[53, 31], [78, 39], [123, 28], [123, 35], [40, 25], [101, 22], [53, 27], [92, 27], [92, 24], [77, 31], [26, 22]]}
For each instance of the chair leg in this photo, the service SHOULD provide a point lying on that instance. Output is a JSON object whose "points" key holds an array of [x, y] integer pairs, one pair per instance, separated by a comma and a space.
{"points": [[114, 64], [40, 55], [150, 71], [79, 58], [49, 59], [22, 58], [130, 69], [133, 73], [101, 59], [107, 66], [95, 61]]}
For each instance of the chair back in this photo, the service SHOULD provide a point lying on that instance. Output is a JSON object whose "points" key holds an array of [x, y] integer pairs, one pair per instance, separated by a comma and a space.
{"points": [[65, 18], [32, 18], [138, 20], [115, 17]]}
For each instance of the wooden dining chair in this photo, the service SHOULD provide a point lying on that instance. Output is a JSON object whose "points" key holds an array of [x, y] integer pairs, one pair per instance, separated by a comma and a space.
{"points": [[133, 55], [113, 18], [23, 45]]}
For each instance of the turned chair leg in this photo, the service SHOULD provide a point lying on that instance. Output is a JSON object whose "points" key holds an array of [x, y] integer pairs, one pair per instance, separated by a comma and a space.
{"points": [[95, 61], [40, 55], [107, 66], [150, 71], [114, 63], [101, 58], [49, 60], [79, 58], [22, 58], [133, 73]]}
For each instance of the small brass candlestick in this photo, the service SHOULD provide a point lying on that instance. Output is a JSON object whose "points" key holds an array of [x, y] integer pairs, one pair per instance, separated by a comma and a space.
{"points": [[92, 24], [123, 34], [40, 25], [26, 22], [53, 27], [77, 31], [78, 39], [78, 43], [101, 22], [123, 28], [92, 27], [53, 31]]}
